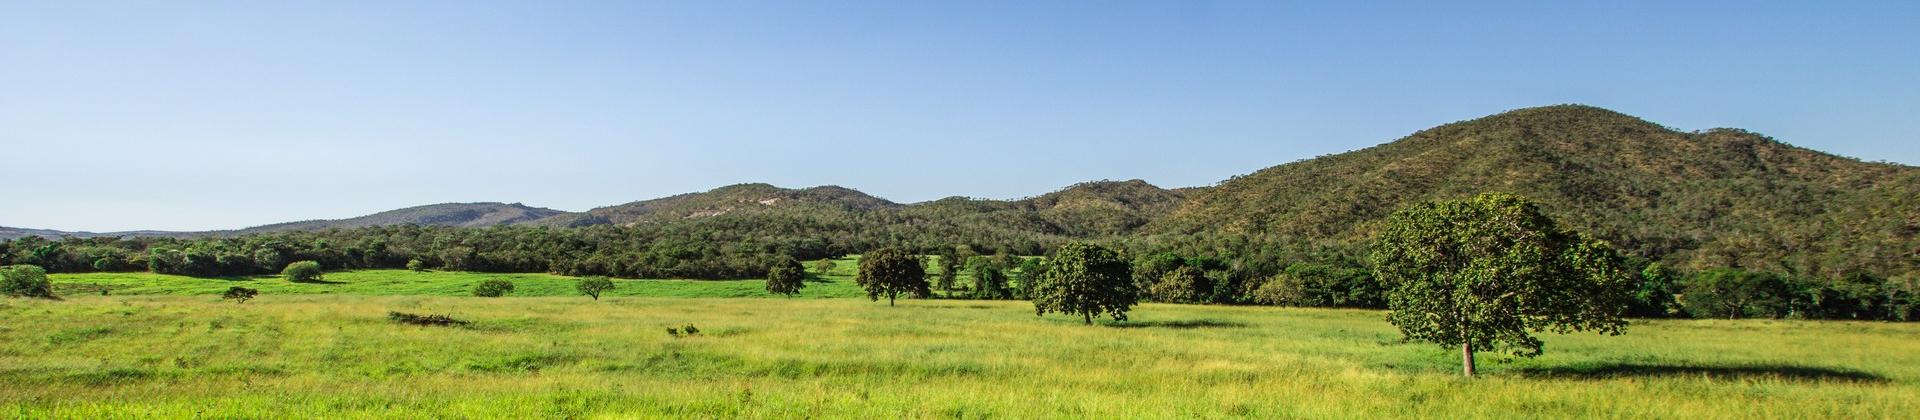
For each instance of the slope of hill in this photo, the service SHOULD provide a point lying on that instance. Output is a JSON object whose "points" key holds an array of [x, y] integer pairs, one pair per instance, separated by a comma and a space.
{"points": [[1721, 197], [447, 214], [741, 199]]}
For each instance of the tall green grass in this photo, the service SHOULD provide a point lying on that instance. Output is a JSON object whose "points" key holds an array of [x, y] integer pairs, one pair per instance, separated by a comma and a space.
{"points": [[317, 355]]}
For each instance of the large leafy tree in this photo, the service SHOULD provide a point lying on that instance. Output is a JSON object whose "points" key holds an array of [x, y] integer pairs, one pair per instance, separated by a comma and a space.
{"points": [[989, 282], [1087, 280], [892, 272], [786, 277], [1485, 273]]}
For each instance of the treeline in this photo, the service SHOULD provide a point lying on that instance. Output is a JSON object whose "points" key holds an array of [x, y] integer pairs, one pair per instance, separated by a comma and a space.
{"points": [[1181, 269]]}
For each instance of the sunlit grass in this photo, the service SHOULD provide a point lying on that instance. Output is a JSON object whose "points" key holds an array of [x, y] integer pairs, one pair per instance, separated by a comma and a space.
{"points": [[337, 356]]}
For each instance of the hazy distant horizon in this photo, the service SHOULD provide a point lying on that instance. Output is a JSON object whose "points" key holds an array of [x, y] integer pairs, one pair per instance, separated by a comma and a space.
{"points": [[175, 117]]}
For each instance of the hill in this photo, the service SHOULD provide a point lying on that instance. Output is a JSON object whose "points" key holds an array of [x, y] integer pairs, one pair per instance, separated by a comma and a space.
{"points": [[1720, 197], [448, 214]]}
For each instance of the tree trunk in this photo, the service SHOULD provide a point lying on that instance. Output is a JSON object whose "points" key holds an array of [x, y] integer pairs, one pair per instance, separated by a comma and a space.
{"points": [[1089, 317], [1466, 359], [889, 298]]}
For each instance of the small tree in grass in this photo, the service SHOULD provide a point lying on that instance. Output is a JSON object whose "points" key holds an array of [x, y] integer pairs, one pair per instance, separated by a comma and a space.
{"points": [[892, 272], [1485, 272], [594, 286], [493, 288], [1087, 280], [302, 271], [25, 281], [786, 277], [239, 294], [824, 266], [416, 265]]}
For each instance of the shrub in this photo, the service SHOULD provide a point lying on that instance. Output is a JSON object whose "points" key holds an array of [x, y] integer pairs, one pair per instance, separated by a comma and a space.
{"points": [[592, 286], [824, 266], [302, 271], [493, 288], [416, 265], [25, 281], [240, 294], [424, 320], [1183, 285]]}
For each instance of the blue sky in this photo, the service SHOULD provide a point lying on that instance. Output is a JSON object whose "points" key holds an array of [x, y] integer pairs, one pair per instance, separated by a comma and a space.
{"points": [[191, 115]]}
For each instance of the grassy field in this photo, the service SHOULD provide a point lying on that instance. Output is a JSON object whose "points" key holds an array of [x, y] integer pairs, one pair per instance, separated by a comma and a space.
{"points": [[334, 355], [835, 284]]}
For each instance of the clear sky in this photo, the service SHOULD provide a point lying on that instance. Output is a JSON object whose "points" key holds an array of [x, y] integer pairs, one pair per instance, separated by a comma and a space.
{"points": [[190, 115]]}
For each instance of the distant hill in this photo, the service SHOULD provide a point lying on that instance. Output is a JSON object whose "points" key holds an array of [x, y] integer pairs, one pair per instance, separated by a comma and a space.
{"points": [[449, 214], [1719, 197]]}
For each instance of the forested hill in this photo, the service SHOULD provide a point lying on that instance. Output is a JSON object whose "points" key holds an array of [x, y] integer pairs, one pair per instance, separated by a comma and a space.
{"points": [[448, 214], [1721, 197]]}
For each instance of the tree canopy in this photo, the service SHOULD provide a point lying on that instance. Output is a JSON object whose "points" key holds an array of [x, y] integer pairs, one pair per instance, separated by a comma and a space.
{"points": [[786, 277], [1086, 280], [891, 272], [1484, 273]]}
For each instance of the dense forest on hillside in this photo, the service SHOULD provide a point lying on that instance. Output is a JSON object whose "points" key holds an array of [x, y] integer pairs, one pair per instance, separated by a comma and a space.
{"points": [[1722, 209]]}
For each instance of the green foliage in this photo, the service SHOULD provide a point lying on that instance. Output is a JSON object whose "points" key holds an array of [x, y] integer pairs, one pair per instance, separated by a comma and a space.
{"points": [[1484, 273], [1654, 295], [302, 271], [593, 286], [239, 294], [24, 280], [416, 265], [824, 266], [1087, 280], [989, 282], [892, 272], [493, 288], [1185, 284], [786, 277], [430, 320], [1321, 285], [1030, 272], [1734, 293]]}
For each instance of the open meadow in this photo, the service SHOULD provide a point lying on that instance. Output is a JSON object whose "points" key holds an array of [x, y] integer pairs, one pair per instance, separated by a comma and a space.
{"points": [[183, 352]]}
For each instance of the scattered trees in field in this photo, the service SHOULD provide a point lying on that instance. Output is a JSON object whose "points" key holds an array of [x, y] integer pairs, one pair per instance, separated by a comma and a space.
{"points": [[239, 294], [302, 271], [786, 277], [1320, 285], [493, 288], [1483, 273], [593, 286], [1086, 280], [891, 272], [25, 280]]}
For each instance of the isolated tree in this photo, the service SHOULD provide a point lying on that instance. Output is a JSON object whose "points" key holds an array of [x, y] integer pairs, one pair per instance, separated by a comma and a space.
{"points": [[416, 265], [824, 266], [988, 281], [786, 277], [239, 294], [493, 288], [25, 281], [593, 286], [1484, 273], [302, 271], [1087, 280], [891, 272]]}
